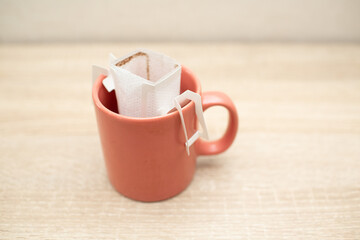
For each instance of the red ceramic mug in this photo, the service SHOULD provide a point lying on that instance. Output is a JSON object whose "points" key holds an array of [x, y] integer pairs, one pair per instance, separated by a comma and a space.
{"points": [[146, 158]]}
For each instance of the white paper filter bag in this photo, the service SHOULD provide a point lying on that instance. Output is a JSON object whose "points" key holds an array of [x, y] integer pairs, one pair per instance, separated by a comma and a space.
{"points": [[145, 83]]}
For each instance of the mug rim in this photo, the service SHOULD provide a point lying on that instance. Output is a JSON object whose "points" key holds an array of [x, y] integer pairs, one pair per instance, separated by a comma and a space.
{"points": [[100, 105]]}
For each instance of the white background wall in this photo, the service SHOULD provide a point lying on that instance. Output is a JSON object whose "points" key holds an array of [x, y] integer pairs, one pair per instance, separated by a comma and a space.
{"points": [[160, 20]]}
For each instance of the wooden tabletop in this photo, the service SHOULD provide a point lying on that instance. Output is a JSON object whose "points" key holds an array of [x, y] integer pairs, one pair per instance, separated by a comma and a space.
{"points": [[293, 171]]}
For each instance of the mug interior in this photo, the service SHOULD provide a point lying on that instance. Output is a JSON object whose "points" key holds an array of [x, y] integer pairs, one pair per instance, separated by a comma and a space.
{"points": [[108, 99]]}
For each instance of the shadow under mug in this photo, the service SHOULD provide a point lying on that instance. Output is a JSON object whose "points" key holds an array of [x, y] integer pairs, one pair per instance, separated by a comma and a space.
{"points": [[146, 158]]}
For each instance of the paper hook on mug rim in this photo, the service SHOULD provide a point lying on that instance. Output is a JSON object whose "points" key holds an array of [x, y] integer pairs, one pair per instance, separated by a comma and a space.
{"points": [[196, 98]]}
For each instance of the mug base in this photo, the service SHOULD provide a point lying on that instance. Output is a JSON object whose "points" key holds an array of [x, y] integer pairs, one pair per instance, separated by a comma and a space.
{"points": [[147, 199]]}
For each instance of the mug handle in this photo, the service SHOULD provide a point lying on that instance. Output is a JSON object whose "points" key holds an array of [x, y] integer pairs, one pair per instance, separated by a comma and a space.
{"points": [[211, 99]]}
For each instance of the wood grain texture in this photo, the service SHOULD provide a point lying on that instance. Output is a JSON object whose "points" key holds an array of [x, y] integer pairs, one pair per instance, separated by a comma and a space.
{"points": [[292, 173]]}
